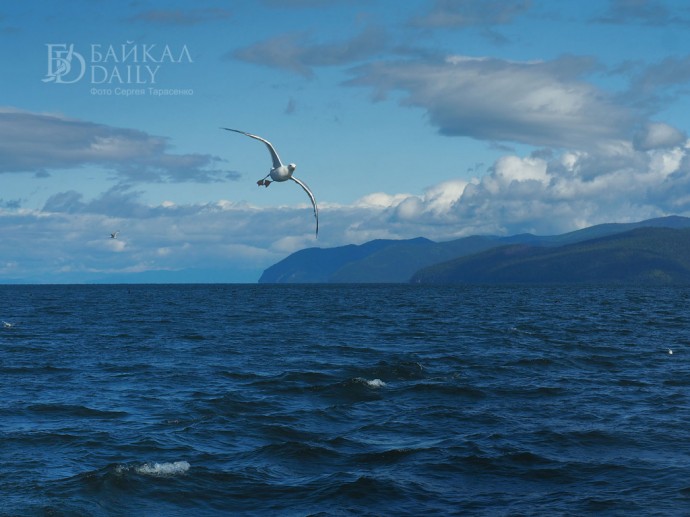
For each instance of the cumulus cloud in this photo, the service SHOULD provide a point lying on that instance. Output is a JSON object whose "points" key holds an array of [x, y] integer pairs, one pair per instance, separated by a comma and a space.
{"points": [[37, 142], [550, 195], [439, 197], [537, 103], [296, 53]]}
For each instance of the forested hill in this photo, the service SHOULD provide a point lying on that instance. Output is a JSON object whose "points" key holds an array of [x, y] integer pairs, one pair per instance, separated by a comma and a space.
{"points": [[640, 256]]}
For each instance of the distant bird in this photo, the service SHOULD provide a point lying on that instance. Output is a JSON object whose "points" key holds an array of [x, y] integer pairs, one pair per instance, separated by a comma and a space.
{"points": [[114, 234], [280, 172], [670, 351], [7, 325]]}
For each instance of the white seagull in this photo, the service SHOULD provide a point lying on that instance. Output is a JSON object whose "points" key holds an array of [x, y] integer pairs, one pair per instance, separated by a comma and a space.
{"points": [[114, 234], [280, 172]]}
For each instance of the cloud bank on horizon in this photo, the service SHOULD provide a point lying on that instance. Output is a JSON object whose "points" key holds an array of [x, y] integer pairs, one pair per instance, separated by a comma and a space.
{"points": [[526, 136]]}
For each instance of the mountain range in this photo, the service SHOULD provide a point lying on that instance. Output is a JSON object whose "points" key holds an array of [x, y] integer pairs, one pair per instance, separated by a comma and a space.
{"points": [[651, 251]]}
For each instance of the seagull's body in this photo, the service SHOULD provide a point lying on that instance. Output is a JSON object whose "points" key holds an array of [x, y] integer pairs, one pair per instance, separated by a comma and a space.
{"points": [[280, 172]]}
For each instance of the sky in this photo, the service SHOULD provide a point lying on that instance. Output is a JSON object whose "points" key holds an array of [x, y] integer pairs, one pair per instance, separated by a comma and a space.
{"points": [[433, 118]]}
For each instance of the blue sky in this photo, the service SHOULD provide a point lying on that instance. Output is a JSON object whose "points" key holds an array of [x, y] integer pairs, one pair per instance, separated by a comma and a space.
{"points": [[435, 118]]}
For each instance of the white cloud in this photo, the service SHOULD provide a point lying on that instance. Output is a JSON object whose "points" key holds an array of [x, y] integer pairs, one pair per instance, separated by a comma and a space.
{"points": [[589, 192], [543, 196], [409, 209], [114, 245], [38, 142], [380, 200], [513, 168], [439, 198], [537, 103]]}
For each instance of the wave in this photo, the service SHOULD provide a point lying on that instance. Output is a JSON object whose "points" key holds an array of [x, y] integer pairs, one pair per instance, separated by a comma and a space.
{"points": [[356, 389], [373, 383], [163, 469], [117, 485]]}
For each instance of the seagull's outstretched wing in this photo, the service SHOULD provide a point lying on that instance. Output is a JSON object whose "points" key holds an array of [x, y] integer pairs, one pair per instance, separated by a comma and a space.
{"points": [[271, 149], [313, 201]]}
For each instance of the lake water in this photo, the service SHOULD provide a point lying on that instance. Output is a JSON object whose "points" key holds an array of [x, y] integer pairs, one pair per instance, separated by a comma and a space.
{"points": [[344, 400]]}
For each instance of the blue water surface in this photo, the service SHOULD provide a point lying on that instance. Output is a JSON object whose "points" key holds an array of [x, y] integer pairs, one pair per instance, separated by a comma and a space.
{"points": [[344, 400]]}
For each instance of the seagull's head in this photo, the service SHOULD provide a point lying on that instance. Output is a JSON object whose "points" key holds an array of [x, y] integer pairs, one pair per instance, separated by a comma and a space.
{"points": [[292, 167]]}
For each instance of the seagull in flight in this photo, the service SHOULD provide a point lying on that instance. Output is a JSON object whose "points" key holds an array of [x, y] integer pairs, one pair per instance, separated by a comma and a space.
{"points": [[114, 234], [280, 172]]}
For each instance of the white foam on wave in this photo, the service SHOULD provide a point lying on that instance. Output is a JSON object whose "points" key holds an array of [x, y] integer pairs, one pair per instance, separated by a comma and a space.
{"points": [[163, 469], [374, 383]]}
